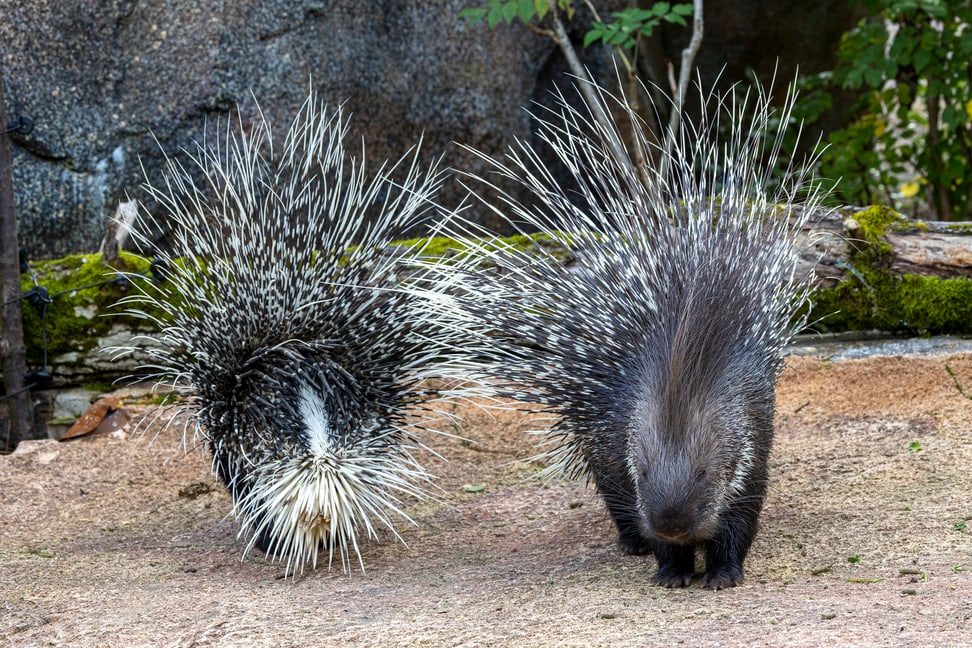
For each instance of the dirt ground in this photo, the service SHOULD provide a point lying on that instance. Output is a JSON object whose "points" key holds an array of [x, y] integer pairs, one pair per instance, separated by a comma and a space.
{"points": [[865, 540]]}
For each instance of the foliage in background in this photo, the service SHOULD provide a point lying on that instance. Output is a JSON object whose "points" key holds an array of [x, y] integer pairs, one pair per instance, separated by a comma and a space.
{"points": [[911, 142], [631, 23], [496, 11], [623, 33]]}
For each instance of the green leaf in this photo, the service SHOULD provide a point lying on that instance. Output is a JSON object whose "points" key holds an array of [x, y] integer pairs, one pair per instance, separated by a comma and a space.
{"points": [[660, 8], [636, 15], [526, 10], [494, 18], [509, 11], [873, 77], [682, 9], [597, 30], [921, 60], [617, 39], [649, 27], [472, 14]]}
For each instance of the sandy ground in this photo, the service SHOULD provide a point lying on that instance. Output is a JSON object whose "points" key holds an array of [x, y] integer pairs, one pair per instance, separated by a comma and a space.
{"points": [[865, 541]]}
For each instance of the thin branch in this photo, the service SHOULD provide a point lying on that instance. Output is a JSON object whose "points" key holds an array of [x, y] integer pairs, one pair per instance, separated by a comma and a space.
{"points": [[586, 85], [685, 74], [541, 31], [939, 189]]}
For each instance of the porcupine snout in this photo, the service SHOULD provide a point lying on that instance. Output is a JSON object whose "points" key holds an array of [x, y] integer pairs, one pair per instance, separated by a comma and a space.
{"points": [[675, 498], [672, 523]]}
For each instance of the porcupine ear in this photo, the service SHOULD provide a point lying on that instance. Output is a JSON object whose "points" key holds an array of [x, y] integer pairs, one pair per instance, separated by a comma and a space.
{"points": [[281, 268]]}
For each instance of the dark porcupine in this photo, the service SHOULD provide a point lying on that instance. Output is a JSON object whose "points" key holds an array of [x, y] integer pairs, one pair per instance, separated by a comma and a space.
{"points": [[284, 323], [658, 351]]}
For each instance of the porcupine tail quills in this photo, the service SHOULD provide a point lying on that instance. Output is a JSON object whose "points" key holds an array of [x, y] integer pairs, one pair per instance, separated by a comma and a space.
{"points": [[658, 350], [285, 323]]}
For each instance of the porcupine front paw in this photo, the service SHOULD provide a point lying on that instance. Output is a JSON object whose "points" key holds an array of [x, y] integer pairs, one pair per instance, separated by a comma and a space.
{"points": [[725, 553], [676, 565], [633, 543], [722, 577]]}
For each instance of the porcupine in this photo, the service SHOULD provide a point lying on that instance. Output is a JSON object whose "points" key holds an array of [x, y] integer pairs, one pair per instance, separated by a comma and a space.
{"points": [[658, 351], [283, 320]]}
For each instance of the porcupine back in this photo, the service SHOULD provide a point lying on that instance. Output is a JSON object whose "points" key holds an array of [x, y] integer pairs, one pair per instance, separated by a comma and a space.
{"points": [[658, 350], [283, 324]]}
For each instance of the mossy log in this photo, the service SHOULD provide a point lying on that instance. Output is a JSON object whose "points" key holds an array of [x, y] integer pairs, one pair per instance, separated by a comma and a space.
{"points": [[878, 271]]}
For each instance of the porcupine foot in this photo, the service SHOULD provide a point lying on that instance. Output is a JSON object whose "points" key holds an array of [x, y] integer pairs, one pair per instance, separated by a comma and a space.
{"points": [[722, 577], [725, 553], [676, 565]]}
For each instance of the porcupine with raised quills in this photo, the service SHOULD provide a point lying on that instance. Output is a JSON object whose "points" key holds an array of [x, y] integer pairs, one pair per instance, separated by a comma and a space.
{"points": [[657, 352], [283, 322]]}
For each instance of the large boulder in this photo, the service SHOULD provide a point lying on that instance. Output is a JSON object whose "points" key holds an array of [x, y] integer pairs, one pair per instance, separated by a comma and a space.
{"points": [[104, 79], [109, 82]]}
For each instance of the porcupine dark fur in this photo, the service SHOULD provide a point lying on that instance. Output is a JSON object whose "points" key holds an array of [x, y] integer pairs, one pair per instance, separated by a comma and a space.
{"points": [[658, 351], [285, 326]]}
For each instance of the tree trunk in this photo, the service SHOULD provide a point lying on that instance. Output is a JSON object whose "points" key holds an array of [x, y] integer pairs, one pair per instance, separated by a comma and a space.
{"points": [[13, 356]]}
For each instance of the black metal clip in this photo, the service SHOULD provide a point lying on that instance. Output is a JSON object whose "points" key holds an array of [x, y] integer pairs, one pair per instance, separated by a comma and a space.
{"points": [[22, 125], [159, 270], [38, 296]]}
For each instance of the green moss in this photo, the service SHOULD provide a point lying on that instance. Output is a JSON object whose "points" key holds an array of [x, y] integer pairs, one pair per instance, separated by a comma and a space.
{"points": [[873, 298], [75, 316], [875, 222], [959, 228], [443, 246], [436, 246]]}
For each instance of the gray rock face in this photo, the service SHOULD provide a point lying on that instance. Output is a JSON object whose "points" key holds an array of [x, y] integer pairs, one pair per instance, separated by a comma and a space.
{"points": [[103, 79]]}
